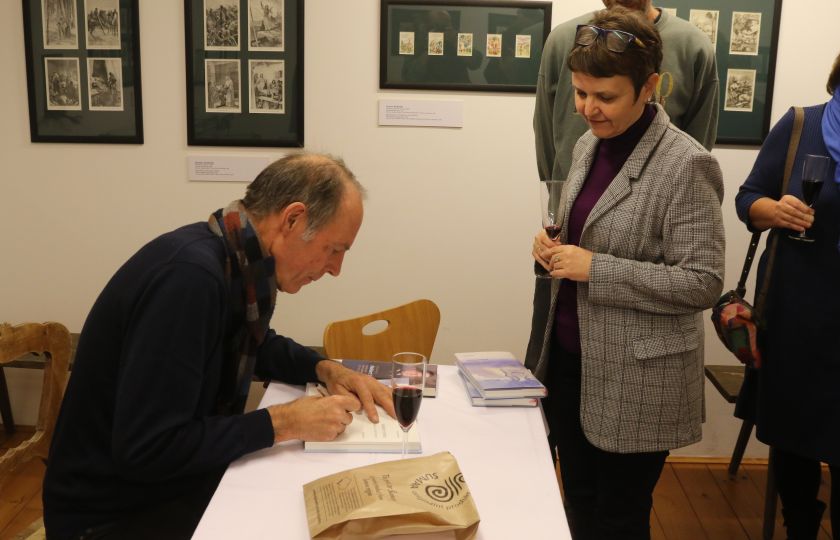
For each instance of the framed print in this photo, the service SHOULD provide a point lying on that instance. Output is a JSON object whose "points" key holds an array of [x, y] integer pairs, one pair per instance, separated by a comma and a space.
{"points": [[244, 72], [62, 84], [83, 71], [265, 25], [485, 45], [745, 34], [59, 24], [102, 24], [223, 86], [268, 86], [104, 84], [221, 25]]}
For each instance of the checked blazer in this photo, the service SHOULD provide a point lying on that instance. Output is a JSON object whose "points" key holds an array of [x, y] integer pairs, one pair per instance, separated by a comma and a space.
{"points": [[658, 243]]}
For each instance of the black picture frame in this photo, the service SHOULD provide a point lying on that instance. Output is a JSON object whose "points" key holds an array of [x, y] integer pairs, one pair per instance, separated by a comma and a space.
{"points": [[746, 61], [247, 45], [437, 57], [83, 71]]}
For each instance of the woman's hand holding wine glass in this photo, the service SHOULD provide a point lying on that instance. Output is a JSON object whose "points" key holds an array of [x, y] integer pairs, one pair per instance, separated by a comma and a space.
{"points": [[814, 170], [552, 221]]}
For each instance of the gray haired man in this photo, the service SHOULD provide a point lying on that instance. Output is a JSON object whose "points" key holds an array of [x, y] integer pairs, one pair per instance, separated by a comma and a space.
{"points": [[154, 410]]}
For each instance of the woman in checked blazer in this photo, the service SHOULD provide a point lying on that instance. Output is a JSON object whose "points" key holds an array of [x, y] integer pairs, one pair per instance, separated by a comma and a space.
{"points": [[641, 255]]}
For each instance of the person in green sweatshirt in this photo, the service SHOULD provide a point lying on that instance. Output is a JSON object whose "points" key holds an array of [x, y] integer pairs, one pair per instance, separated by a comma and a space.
{"points": [[688, 87]]}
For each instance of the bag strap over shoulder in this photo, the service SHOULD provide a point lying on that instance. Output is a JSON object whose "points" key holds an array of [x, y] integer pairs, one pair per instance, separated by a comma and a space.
{"points": [[741, 288], [773, 240]]}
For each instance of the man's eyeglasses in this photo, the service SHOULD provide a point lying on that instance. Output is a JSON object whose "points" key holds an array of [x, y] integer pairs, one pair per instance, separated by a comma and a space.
{"points": [[616, 41]]}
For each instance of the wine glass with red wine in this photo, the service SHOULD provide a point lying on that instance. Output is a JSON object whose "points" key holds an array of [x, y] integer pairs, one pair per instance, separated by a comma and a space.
{"points": [[408, 375], [814, 170], [552, 210]]}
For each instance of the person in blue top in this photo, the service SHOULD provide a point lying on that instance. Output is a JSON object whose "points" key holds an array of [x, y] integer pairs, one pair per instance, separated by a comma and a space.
{"points": [[796, 393], [154, 409]]}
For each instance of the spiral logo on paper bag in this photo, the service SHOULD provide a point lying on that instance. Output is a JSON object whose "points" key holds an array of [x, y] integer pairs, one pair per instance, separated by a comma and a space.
{"points": [[445, 493]]}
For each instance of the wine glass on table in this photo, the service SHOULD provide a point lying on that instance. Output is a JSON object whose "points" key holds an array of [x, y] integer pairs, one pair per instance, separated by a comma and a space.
{"points": [[814, 170], [408, 375], [552, 211]]}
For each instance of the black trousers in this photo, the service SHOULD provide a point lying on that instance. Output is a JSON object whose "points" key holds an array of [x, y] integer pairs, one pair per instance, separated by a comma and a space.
{"points": [[798, 483], [606, 495]]}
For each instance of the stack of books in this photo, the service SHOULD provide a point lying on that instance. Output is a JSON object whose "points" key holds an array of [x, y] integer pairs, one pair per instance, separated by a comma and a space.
{"points": [[498, 379]]}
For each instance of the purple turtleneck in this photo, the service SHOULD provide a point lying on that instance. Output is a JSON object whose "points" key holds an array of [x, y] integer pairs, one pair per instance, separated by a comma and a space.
{"points": [[609, 159]]}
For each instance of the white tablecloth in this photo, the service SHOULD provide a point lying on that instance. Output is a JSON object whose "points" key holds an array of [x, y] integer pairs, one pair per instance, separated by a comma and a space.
{"points": [[502, 452]]}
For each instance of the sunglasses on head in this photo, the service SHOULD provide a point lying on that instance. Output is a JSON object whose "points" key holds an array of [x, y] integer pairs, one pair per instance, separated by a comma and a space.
{"points": [[616, 41]]}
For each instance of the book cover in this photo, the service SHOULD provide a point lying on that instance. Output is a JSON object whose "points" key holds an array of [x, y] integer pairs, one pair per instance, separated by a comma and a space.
{"points": [[497, 374], [382, 371], [363, 436], [478, 401]]}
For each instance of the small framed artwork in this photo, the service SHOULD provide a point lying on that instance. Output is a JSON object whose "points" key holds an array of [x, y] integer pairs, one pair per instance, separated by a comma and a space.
{"points": [[486, 45], [267, 86], [707, 21], [739, 90], [745, 35], [105, 84], [244, 72], [83, 71]]}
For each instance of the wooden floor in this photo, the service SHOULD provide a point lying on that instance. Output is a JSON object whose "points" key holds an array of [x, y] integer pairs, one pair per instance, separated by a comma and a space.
{"points": [[691, 501], [20, 498], [701, 501]]}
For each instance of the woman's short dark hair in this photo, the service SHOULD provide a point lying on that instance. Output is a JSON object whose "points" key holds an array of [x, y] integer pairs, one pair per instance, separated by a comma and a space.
{"points": [[834, 77], [637, 63]]}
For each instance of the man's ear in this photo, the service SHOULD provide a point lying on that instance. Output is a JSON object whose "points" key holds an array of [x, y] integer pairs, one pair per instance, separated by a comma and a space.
{"points": [[294, 217]]}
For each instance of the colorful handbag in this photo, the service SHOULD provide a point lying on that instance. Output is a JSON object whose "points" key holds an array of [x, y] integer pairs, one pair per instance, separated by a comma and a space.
{"points": [[736, 321]]}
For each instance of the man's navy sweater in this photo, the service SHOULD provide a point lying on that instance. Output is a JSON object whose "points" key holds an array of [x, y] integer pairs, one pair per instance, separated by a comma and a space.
{"points": [[138, 425]]}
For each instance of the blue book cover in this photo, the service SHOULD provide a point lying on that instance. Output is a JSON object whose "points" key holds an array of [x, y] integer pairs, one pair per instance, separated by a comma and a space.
{"points": [[499, 375], [478, 401]]}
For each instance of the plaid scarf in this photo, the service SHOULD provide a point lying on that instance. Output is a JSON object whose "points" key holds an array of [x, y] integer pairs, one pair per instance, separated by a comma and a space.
{"points": [[249, 273]]}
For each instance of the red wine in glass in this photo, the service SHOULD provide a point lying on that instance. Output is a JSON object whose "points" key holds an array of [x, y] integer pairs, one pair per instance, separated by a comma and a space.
{"points": [[407, 401], [553, 231], [814, 170], [408, 375], [811, 190]]}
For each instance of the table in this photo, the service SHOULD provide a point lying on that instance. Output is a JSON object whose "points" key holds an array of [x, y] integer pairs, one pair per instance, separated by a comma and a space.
{"points": [[502, 452]]}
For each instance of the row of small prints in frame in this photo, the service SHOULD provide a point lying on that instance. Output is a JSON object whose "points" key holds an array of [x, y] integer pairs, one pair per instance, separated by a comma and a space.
{"points": [[464, 44]]}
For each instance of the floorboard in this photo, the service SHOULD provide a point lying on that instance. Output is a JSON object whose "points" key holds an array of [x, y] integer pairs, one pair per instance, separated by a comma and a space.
{"points": [[743, 497], [717, 518], [673, 509]]}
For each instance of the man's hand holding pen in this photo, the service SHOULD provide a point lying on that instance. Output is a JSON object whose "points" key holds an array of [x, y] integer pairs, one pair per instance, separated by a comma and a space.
{"points": [[323, 418]]}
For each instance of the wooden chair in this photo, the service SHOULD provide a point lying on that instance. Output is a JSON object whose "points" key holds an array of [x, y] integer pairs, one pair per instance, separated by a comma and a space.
{"points": [[53, 340], [410, 327]]}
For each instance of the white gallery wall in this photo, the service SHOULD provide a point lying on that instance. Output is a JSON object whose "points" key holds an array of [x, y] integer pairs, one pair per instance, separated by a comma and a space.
{"points": [[450, 216]]}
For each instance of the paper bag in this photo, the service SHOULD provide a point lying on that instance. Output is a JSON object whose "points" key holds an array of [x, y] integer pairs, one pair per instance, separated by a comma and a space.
{"points": [[407, 496]]}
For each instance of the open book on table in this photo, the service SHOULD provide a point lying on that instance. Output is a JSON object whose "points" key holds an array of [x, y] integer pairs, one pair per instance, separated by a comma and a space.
{"points": [[363, 436]]}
